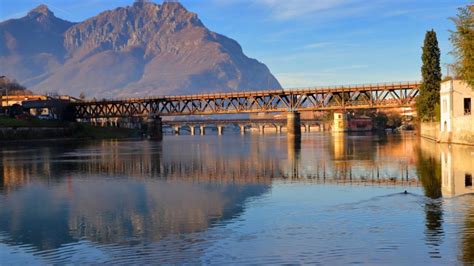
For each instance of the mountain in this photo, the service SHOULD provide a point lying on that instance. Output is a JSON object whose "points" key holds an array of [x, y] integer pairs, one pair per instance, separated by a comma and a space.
{"points": [[139, 50], [33, 45]]}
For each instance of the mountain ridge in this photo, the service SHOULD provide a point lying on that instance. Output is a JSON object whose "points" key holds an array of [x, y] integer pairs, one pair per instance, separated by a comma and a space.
{"points": [[138, 50]]}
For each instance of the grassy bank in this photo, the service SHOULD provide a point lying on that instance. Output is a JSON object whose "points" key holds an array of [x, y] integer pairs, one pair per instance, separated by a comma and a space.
{"points": [[14, 129], [34, 123], [84, 131]]}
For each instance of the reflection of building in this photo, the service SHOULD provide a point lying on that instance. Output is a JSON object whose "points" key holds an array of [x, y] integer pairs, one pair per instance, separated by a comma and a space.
{"points": [[457, 168], [457, 120]]}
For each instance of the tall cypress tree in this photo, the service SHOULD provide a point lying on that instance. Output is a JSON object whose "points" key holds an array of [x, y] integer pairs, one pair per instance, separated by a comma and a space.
{"points": [[427, 102]]}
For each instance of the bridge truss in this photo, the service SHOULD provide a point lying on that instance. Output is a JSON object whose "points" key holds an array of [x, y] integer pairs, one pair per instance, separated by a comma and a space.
{"points": [[371, 96]]}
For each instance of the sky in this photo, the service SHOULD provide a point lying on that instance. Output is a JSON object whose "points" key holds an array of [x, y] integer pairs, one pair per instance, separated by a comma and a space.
{"points": [[308, 43]]}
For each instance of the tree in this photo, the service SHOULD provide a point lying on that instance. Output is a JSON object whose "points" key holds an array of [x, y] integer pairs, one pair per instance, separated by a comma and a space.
{"points": [[10, 87], [394, 121], [463, 42], [428, 99], [380, 120]]}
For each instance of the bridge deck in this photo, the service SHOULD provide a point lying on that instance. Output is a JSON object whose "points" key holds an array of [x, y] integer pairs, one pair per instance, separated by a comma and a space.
{"points": [[382, 95]]}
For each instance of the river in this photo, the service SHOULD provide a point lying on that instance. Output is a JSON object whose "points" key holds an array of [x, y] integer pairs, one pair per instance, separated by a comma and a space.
{"points": [[252, 199]]}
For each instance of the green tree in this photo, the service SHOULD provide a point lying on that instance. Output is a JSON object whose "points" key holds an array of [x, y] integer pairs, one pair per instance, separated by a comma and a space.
{"points": [[380, 120], [428, 99], [394, 121], [463, 42]]}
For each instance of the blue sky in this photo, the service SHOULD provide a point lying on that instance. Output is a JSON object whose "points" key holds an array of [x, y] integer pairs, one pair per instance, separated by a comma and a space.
{"points": [[307, 42]]}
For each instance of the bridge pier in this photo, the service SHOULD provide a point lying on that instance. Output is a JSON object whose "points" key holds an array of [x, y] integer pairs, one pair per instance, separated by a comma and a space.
{"points": [[261, 129], [242, 129], [154, 131], [176, 130], [293, 123], [220, 130], [192, 129], [307, 128], [294, 155], [279, 128], [202, 130]]}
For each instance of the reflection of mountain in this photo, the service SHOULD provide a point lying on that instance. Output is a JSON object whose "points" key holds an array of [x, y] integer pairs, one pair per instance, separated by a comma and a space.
{"points": [[117, 210], [126, 195]]}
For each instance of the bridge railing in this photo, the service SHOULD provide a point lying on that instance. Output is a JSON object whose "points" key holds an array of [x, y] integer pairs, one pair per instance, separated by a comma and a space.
{"points": [[270, 91]]}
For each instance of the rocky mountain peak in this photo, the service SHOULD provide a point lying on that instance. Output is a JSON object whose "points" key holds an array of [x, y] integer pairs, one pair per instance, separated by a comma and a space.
{"points": [[41, 10], [137, 50]]}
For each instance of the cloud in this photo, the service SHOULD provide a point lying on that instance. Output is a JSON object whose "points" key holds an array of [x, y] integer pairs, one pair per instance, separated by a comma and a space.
{"points": [[293, 9], [286, 9], [322, 77], [318, 45]]}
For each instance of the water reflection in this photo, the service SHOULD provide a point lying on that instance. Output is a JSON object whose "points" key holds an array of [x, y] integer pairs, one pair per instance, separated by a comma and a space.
{"points": [[429, 171], [130, 193], [445, 171]]}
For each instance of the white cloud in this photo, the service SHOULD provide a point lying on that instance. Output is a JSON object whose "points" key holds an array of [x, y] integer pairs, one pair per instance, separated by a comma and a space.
{"points": [[316, 10], [286, 9], [318, 45]]}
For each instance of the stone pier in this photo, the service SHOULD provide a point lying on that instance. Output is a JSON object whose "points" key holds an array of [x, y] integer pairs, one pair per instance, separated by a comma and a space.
{"points": [[242, 129], [176, 130], [293, 123], [220, 130], [307, 128], [278, 128], [154, 128], [202, 130], [192, 129]]}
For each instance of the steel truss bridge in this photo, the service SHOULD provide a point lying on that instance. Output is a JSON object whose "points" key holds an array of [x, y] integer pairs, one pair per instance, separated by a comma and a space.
{"points": [[369, 96]]}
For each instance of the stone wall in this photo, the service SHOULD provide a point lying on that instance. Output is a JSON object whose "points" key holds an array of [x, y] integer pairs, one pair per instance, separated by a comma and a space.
{"points": [[430, 130], [463, 131]]}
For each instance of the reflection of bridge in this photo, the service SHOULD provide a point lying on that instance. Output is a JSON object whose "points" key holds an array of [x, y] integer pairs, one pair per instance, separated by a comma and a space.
{"points": [[261, 124], [370, 96]]}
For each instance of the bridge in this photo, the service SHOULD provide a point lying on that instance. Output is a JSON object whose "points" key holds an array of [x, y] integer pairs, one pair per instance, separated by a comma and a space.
{"points": [[290, 101], [261, 124]]}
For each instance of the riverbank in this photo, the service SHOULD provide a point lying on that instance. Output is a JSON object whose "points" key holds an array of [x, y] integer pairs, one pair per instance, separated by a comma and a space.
{"points": [[14, 129], [463, 133]]}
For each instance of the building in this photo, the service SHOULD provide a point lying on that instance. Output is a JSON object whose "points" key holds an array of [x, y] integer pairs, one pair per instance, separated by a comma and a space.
{"points": [[457, 120], [339, 123], [361, 123], [49, 108], [345, 123], [10, 100]]}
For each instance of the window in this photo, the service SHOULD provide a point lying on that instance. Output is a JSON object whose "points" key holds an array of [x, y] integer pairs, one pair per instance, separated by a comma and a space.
{"points": [[445, 106], [467, 106], [468, 180]]}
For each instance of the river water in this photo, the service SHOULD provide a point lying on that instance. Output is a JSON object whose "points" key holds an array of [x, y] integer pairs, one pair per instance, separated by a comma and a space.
{"points": [[331, 199]]}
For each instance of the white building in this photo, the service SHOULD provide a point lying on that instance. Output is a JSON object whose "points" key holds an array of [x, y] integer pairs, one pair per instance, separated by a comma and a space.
{"points": [[457, 120]]}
